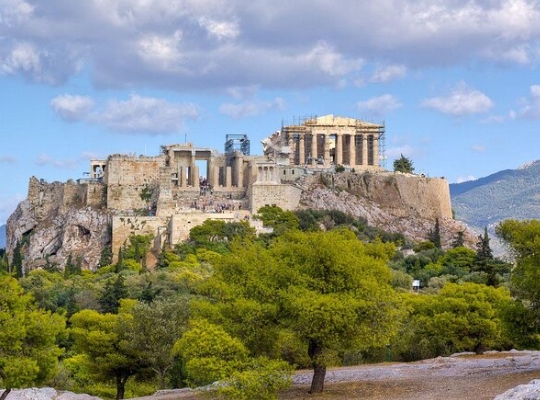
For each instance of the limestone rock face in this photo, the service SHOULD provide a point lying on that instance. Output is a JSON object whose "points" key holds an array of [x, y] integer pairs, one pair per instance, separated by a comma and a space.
{"points": [[52, 224], [529, 391], [47, 394], [393, 202]]}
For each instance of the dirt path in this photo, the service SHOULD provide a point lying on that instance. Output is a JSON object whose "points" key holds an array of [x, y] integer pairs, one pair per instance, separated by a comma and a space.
{"points": [[450, 378]]}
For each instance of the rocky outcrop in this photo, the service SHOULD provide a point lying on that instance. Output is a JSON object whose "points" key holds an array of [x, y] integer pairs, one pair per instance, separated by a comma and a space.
{"points": [[529, 391], [47, 394], [55, 222], [408, 204]]}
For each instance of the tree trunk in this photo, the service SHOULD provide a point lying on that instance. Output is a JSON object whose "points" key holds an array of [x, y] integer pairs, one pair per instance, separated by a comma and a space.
{"points": [[120, 387], [315, 352], [4, 395]]}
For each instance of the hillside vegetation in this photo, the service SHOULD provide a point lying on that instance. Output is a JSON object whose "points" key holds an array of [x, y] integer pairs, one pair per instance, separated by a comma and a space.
{"points": [[323, 289]]}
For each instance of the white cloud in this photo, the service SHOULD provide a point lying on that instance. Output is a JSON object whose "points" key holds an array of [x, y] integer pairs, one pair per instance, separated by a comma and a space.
{"points": [[478, 148], [72, 108], [145, 115], [23, 57], [463, 100], [466, 178], [494, 119], [389, 73], [161, 52], [179, 44], [242, 92], [331, 61], [251, 108], [379, 105], [531, 108], [44, 160], [220, 29], [7, 159], [14, 11]]}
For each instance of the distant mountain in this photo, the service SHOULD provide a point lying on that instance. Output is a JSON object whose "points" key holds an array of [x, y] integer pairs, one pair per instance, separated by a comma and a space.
{"points": [[2, 236], [512, 193]]}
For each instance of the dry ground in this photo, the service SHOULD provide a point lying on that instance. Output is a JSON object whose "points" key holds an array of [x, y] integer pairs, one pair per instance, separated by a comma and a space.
{"points": [[450, 378]]}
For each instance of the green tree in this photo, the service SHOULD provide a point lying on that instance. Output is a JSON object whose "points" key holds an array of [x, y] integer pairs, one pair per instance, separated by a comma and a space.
{"points": [[103, 342], [211, 354], [485, 262], [106, 256], [112, 293], [403, 164], [434, 235], [28, 338], [464, 317], [523, 237], [155, 329], [72, 267], [323, 286], [139, 246], [17, 260], [4, 265], [216, 235], [459, 240], [277, 218]]}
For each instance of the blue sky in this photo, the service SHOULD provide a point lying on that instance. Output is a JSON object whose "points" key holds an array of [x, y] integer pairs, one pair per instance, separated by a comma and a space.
{"points": [[456, 82]]}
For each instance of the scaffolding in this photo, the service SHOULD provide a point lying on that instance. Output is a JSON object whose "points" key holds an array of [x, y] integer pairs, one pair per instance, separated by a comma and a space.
{"points": [[236, 142]]}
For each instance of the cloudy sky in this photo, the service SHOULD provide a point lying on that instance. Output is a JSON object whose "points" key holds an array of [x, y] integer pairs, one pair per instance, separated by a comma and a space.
{"points": [[456, 82]]}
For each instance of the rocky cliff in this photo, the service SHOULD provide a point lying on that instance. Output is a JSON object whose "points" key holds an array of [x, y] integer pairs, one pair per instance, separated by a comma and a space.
{"points": [[395, 202], [57, 220]]}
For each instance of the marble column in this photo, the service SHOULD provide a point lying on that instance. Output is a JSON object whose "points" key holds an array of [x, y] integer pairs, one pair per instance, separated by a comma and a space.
{"points": [[364, 150], [375, 151], [314, 149], [352, 150], [194, 176], [326, 150], [301, 150], [228, 177], [339, 149], [239, 171], [291, 149]]}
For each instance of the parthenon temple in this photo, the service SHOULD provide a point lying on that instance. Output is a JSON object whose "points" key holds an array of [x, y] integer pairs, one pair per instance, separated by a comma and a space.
{"points": [[328, 140]]}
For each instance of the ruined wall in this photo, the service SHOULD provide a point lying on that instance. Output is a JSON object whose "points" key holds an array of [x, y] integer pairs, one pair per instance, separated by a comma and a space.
{"points": [[285, 196], [127, 170], [181, 223], [123, 227], [96, 194]]}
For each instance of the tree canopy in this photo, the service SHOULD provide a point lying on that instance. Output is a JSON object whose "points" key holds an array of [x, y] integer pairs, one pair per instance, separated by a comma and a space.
{"points": [[329, 288], [28, 338], [403, 164]]}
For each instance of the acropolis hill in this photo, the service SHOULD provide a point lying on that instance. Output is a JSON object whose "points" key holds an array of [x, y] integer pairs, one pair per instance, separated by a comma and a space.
{"points": [[168, 194]]}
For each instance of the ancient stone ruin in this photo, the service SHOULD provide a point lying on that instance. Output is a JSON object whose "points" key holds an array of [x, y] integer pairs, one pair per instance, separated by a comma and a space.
{"points": [[168, 194]]}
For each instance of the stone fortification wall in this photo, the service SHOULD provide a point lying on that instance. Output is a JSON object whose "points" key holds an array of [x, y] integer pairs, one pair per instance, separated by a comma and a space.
{"points": [[128, 170], [172, 229], [128, 197], [181, 223], [96, 194], [123, 227], [285, 196]]}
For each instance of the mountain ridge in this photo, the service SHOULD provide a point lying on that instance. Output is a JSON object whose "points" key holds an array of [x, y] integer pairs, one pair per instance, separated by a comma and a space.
{"points": [[510, 193], [2, 236]]}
